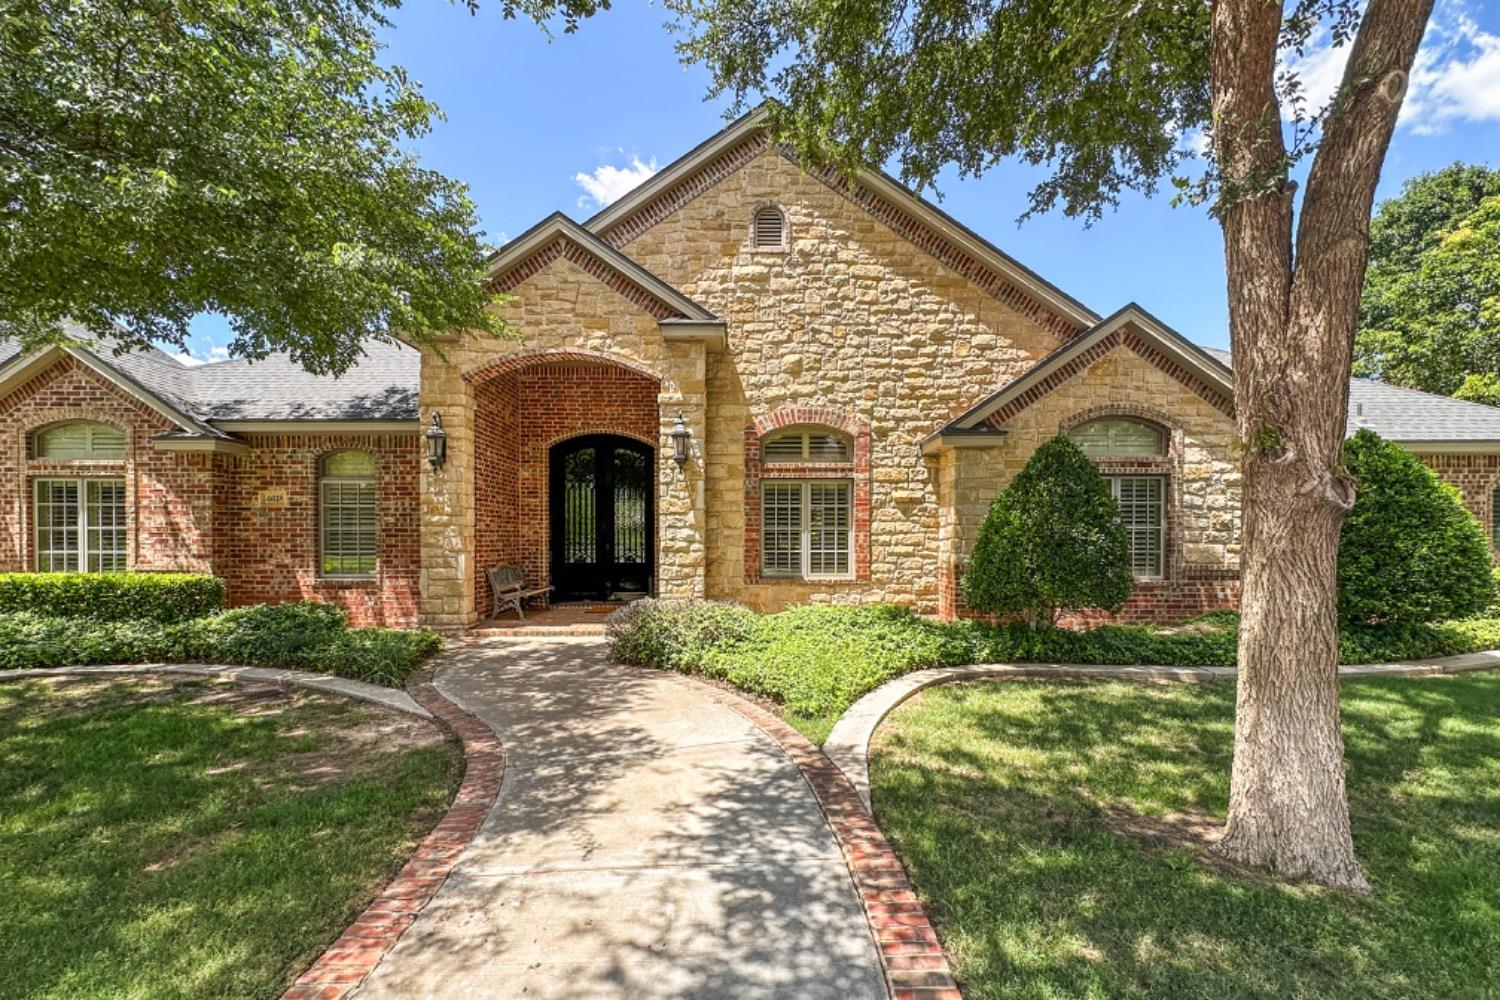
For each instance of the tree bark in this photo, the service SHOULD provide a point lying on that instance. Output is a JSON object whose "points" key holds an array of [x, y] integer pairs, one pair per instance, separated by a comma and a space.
{"points": [[1292, 322]]}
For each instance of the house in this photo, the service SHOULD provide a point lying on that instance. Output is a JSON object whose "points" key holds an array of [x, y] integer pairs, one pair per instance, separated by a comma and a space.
{"points": [[745, 380]]}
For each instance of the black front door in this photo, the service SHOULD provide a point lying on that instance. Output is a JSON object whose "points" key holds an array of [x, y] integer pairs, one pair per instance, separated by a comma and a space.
{"points": [[602, 518]]}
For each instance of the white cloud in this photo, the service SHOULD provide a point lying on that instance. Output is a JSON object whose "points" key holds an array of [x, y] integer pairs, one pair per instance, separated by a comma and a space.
{"points": [[608, 182], [217, 352], [1456, 77]]}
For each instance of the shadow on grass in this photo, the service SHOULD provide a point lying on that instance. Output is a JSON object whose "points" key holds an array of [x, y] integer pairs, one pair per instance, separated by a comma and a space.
{"points": [[1003, 800]]}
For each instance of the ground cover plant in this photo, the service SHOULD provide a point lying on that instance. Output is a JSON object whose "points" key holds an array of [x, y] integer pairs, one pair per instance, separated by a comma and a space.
{"points": [[165, 839], [299, 635], [1056, 833], [814, 661]]}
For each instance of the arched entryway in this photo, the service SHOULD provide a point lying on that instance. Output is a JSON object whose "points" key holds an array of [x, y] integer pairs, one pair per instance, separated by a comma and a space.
{"points": [[602, 517]]}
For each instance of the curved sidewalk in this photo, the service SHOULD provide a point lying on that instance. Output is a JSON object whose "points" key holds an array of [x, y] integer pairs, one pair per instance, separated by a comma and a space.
{"points": [[648, 842], [848, 743]]}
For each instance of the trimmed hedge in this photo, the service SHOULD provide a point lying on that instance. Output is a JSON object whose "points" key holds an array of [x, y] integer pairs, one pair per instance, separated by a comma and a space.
{"points": [[817, 659], [113, 597], [1409, 551], [1052, 541], [305, 636]]}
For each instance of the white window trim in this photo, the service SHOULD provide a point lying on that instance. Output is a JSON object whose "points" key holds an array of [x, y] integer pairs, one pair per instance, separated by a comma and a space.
{"points": [[1161, 528], [805, 435], [804, 531], [82, 483], [323, 483]]}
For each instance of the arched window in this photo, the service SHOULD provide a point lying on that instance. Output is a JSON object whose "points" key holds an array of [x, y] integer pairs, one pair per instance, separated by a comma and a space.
{"points": [[346, 505], [1142, 499], [806, 445], [807, 525], [768, 231], [80, 439], [1119, 437]]}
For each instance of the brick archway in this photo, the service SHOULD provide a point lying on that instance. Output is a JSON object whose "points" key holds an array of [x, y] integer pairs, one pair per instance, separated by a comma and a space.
{"points": [[523, 405]]}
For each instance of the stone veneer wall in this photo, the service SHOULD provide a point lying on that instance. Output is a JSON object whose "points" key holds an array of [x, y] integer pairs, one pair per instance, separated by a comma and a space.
{"points": [[852, 317], [519, 416], [1202, 523], [565, 315]]}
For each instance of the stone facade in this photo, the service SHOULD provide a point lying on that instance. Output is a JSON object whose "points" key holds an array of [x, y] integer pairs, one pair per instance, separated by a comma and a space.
{"points": [[851, 317], [1202, 522]]}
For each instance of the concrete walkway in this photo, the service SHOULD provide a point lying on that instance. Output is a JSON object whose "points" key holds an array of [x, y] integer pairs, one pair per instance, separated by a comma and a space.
{"points": [[848, 743], [647, 843]]}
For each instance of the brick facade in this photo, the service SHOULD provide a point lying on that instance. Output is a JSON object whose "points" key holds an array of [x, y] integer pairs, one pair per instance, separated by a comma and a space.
{"points": [[201, 512], [521, 412]]}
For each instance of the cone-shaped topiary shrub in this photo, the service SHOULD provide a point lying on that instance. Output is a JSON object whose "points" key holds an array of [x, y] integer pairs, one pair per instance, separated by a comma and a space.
{"points": [[1410, 550], [1051, 542]]}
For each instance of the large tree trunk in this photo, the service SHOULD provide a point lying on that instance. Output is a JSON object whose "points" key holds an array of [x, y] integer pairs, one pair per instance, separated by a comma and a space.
{"points": [[1292, 321]]}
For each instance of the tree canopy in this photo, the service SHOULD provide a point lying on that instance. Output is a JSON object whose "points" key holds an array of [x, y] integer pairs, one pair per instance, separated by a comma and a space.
{"points": [[1430, 312], [172, 157]]}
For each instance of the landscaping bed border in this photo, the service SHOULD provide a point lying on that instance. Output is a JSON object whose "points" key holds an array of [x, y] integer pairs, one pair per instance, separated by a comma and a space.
{"points": [[848, 743], [362, 945]]}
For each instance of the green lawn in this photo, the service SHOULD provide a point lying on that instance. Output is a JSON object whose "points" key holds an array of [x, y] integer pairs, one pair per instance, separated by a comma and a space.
{"points": [[197, 839], [1056, 831]]}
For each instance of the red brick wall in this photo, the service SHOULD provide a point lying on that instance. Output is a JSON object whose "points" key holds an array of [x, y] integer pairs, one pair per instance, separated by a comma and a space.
{"points": [[270, 554], [551, 403], [1475, 476], [199, 511], [169, 497]]}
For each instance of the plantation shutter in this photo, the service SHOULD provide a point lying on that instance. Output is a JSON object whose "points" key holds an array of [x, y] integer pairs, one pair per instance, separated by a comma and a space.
{"points": [[80, 440], [781, 529], [1142, 512], [347, 519], [828, 516]]}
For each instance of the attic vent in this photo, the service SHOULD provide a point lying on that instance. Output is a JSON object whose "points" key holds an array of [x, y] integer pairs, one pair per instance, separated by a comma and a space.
{"points": [[769, 231]]}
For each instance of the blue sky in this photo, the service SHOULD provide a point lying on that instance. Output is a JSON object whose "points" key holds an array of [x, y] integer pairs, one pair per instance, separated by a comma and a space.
{"points": [[535, 126]]}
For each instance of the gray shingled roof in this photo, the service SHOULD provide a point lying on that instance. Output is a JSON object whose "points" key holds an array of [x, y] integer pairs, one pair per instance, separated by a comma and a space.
{"points": [[1411, 415], [383, 386]]}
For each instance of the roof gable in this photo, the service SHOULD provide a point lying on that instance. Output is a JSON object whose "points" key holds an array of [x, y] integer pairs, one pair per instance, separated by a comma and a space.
{"points": [[903, 211], [1130, 327], [558, 236]]}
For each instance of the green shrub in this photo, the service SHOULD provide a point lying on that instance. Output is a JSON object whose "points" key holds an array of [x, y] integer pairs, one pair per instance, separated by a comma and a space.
{"points": [[675, 634], [1051, 542], [1409, 551], [302, 636], [113, 597]]}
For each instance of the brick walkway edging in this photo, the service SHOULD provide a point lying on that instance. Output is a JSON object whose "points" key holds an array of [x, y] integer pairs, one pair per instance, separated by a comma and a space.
{"points": [[848, 743], [362, 945], [910, 954]]}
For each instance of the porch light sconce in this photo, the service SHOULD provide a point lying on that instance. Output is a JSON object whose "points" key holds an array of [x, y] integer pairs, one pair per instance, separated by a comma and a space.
{"points": [[680, 435], [437, 443]]}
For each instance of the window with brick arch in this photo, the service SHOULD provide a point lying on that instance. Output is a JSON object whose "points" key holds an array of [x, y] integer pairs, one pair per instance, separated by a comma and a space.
{"points": [[807, 504], [347, 534], [1115, 443]]}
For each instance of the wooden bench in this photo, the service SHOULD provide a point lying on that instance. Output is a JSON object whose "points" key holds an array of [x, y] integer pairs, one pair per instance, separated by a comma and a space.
{"points": [[508, 584]]}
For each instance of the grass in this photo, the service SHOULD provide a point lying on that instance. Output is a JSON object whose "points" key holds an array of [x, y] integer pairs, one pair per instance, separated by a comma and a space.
{"points": [[1056, 833], [814, 661], [195, 839]]}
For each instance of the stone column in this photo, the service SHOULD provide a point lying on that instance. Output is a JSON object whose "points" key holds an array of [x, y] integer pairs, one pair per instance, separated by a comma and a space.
{"points": [[681, 517], [447, 581]]}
